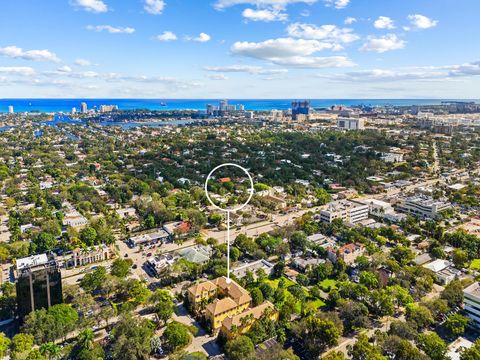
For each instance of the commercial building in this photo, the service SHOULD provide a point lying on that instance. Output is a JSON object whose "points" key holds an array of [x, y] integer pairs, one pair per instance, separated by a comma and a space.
{"points": [[198, 254], [471, 302], [149, 239], [422, 206], [177, 229], [39, 283], [10, 109], [83, 108], [347, 210], [157, 264], [350, 123], [383, 210], [81, 257]]}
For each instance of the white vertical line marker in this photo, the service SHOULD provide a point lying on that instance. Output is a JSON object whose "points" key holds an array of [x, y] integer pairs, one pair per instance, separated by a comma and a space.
{"points": [[228, 247]]}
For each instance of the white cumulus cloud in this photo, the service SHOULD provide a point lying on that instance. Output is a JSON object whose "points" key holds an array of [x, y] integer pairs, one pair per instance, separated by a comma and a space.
{"points": [[35, 55], [223, 4], [202, 37], [217, 77], [111, 29], [83, 62], [350, 20], [291, 52], [383, 44], [384, 22], [249, 69], [425, 73], [19, 70], [330, 33], [166, 36], [154, 7], [65, 69], [266, 15], [422, 22], [338, 4], [95, 6]]}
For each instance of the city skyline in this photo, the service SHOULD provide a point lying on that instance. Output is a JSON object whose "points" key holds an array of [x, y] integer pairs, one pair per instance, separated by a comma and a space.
{"points": [[239, 49]]}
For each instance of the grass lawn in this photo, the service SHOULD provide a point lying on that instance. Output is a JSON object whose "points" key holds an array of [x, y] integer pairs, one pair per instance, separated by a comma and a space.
{"points": [[475, 265], [328, 284], [195, 356], [274, 283], [318, 303]]}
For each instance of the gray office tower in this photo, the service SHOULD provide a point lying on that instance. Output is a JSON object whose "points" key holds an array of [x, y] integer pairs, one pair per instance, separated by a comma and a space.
{"points": [[39, 283]]}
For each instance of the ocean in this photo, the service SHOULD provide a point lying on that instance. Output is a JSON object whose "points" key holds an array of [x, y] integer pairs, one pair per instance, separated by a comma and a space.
{"points": [[66, 105]]}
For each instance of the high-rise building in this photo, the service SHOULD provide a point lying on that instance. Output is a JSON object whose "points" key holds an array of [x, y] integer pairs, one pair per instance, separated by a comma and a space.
{"points": [[300, 108], [74, 110], [83, 108], [39, 283], [210, 109], [10, 109], [223, 105]]}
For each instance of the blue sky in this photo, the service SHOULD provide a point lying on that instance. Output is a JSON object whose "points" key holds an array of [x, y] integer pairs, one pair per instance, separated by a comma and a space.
{"points": [[240, 48]]}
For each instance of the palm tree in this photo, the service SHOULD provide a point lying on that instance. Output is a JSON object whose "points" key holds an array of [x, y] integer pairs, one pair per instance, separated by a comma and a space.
{"points": [[85, 339], [51, 350]]}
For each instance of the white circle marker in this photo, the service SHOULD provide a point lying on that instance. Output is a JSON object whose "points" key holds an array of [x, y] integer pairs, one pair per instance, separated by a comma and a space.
{"points": [[228, 211]]}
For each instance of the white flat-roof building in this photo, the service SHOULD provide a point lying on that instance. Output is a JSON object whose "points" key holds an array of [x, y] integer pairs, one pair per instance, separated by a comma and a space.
{"points": [[455, 348], [32, 261], [392, 157], [471, 302], [351, 123], [437, 265], [126, 212], [423, 206], [158, 263], [347, 210], [444, 270], [241, 271]]}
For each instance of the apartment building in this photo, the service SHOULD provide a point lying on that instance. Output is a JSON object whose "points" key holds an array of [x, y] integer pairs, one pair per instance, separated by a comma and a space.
{"points": [[226, 306], [347, 210], [348, 253], [236, 300], [241, 323], [200, 294]]}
